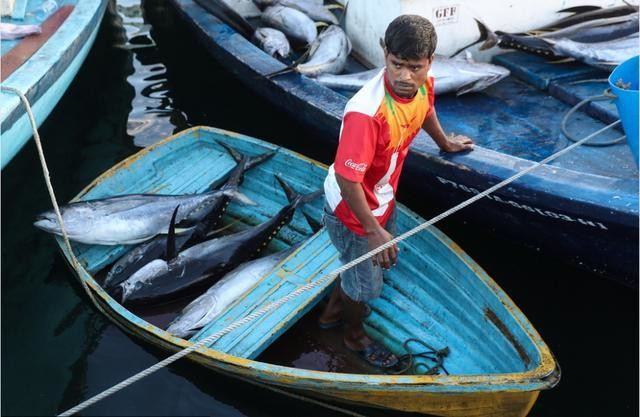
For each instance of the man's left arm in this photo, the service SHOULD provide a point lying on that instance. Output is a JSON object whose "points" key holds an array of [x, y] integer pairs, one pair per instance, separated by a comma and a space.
{"points": [[448, 143]]}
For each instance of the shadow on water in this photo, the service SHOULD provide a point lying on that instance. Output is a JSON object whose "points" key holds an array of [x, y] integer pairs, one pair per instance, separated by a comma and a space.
{"points": [[140, 84]]}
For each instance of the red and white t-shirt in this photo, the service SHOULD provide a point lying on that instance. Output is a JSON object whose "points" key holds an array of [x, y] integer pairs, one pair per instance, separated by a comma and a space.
{"points": [[376, 131]]}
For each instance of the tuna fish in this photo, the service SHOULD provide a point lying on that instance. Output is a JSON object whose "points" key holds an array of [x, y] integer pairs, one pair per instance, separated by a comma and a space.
{"points": [[132, 218], [458, 75], [605, 55], [539, 41], [293, 23], [223, 293], [206, 222], [314, 9], [328, 53], [273, 42], [203, 264]]}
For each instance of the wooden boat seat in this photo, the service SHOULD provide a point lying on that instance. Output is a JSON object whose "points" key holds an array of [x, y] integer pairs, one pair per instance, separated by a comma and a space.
{"points": [[314, 259], [28, 46]]}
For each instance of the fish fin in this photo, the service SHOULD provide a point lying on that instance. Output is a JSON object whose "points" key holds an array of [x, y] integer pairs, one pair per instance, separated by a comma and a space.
{"points": [[222, 11], [292, 67], [213, 233], [289, 192], [237, 156], [285, 70], [313, 223], [579, 9], [562, 60], [257, 160], [171, 252], [293, 197], [238, 196]]}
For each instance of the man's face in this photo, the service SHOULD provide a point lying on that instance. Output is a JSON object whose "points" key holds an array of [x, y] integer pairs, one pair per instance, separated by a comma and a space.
{"points": [[406, 75]]}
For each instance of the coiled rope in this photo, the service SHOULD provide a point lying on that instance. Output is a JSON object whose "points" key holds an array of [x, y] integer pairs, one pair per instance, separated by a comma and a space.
{"points": [[606, 95]]}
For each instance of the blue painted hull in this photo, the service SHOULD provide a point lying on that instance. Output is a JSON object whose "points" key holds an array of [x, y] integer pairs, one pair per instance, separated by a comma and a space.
{"points": [[497, 364], [47, 74], [580, 208]]}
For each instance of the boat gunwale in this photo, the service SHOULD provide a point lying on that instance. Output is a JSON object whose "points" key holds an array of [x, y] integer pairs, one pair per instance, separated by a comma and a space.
{"points": [[544, 375], [35, 76]]}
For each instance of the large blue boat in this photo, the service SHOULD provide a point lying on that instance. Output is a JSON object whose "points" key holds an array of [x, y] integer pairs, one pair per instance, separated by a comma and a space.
{"points": [[582, 207], [41, 66]]}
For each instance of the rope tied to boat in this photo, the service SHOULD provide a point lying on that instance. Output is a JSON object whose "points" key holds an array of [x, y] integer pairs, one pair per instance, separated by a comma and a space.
{"points": [[606, 95], [75, 264], [326, 279]]}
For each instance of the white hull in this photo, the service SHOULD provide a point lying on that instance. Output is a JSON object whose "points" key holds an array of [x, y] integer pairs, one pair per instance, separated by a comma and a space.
{"points": [[367, 20]]}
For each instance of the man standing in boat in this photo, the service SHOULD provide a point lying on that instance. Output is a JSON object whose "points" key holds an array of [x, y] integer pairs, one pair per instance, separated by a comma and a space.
{"points": [[378, 125]]}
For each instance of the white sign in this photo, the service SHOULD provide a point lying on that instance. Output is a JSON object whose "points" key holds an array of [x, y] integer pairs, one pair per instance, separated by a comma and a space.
{"points": [[446, 14]]}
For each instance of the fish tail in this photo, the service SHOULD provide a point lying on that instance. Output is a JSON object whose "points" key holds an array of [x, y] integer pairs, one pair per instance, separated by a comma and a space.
{"points": [[489, 38]]}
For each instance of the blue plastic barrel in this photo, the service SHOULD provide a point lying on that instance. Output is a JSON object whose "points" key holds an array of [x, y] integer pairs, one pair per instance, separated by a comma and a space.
{"points": [[624, 84]]}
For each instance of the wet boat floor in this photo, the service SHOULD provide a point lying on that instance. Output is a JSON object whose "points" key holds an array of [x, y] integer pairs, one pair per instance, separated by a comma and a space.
{"points": [[305, 345]]}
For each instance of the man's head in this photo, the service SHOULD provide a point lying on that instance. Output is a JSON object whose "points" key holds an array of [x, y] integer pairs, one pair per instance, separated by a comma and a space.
{"points": [[410, 42]]}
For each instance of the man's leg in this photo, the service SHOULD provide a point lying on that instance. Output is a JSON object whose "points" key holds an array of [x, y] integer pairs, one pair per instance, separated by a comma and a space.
{"points": [[356, 339], [332, 312]]}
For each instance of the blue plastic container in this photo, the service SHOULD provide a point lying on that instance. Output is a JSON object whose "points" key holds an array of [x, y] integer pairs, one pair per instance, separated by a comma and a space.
{"points": [[627, 99]]}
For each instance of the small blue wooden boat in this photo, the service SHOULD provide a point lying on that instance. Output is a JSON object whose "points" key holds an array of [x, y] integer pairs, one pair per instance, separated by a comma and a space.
{"points": [[42, 66], [582, 207], [497, 363]]}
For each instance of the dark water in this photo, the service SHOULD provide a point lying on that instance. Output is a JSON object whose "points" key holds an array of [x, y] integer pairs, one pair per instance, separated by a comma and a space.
{"points": [[57, 350]]}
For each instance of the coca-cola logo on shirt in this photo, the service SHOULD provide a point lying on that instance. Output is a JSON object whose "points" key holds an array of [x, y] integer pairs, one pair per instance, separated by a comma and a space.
{"points": [[361, 167]]}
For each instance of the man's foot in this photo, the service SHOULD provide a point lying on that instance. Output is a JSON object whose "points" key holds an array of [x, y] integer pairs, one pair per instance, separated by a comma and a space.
{"points": [[377, 355]]}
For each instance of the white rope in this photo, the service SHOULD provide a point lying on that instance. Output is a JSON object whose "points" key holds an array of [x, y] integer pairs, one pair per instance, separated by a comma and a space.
{"points": [[325, 279], [47, 179]]}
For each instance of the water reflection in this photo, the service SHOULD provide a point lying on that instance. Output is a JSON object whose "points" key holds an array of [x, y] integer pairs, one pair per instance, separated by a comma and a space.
{"points": [[152, 115]]}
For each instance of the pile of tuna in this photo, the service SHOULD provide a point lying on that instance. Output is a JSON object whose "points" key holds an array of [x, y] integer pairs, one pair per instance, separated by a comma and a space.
{"points": [[180, 252], [600, 37]]}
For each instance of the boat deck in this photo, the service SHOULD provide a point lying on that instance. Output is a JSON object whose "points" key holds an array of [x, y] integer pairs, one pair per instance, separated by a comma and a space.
{"points": [[312, 261]]}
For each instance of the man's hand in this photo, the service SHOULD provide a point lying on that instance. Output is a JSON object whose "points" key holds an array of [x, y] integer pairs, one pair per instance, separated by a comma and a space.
{"points": [[388, 257], [457, 143]]}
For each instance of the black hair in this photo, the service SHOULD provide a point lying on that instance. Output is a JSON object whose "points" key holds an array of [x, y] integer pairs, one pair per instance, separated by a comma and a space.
{"points": [[411, 36]]}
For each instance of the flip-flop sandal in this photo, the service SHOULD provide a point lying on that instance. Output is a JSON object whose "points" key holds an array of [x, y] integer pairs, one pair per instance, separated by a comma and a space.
{"points": [[378, 355], [340, 322]]}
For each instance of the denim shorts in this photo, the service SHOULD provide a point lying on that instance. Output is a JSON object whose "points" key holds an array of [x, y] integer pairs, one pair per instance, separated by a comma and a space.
{"points": [[362, 282]]}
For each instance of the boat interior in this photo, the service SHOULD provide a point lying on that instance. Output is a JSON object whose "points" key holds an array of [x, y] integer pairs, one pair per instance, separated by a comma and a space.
{"points": [[438, 299]]}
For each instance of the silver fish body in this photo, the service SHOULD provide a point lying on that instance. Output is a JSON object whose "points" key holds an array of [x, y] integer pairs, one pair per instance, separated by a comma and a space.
{"points": [[129, 219], [315, 11], [348, 82], [605, 55], [600, 30], [328, 54], [452, 75], [273, 42], [461, 75], [293, 23], [222, 294]]}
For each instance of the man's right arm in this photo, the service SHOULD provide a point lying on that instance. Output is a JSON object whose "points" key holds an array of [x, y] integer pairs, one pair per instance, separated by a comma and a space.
{"points": [[353, 196]]}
